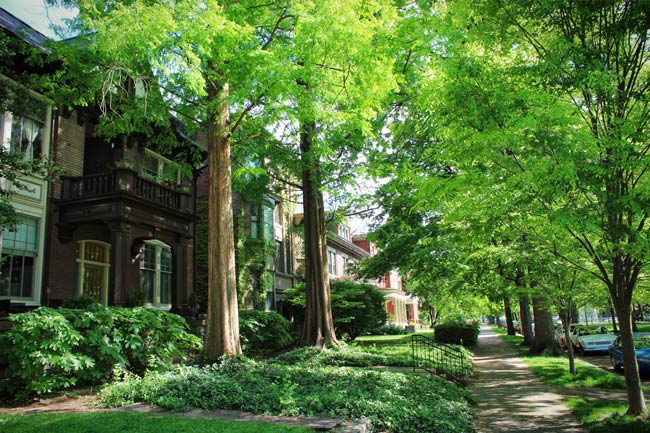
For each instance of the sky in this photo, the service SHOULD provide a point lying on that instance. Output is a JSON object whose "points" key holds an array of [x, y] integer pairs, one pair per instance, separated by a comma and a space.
{"points": [[37, 15]]}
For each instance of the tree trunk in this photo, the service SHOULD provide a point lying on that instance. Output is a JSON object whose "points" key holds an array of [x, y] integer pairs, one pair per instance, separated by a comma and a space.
{"points": [[635, 398], [507, 311], [565, 317], [318, 329], [222, 328], [524, 322], [544, 342]]}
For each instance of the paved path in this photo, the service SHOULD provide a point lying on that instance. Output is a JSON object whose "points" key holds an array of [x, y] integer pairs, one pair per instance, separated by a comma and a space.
{"points": [[510, 397]]}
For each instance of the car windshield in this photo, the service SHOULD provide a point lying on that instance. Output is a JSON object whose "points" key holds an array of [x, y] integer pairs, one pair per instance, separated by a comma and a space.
{"points": [[642, 341]]}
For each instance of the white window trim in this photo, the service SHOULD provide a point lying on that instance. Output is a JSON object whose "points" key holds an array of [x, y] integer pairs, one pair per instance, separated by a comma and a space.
{"points": [[81, 260], [332, 266], [157, 305]]}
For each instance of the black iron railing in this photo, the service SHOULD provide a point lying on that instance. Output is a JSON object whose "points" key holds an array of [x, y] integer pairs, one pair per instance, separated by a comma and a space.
{"points": [[443, 360]]}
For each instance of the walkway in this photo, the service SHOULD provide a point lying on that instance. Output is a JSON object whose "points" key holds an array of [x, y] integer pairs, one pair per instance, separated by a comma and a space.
{"points": [[510, 397]]}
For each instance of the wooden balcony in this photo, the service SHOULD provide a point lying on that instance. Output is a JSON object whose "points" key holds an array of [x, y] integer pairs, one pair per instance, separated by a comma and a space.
{"points": [[124, 181]]}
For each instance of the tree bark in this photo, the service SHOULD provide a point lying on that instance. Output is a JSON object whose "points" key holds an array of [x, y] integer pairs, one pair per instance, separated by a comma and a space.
{"points": [[318, 329], [222, 328], [507, 311], [544, 342], [623, 307], [524, 322], [565, 317]]}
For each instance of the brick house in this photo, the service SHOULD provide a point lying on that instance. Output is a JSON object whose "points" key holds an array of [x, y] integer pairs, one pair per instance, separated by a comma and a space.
{"points": [[119, 226]]}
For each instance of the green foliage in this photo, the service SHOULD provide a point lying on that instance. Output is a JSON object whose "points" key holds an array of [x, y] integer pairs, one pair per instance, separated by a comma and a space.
{"points": [[384, 398], [126, 422], [462, 333], [356, 308], [263, 331], [388, 329], [49, 349], [80, 302]]}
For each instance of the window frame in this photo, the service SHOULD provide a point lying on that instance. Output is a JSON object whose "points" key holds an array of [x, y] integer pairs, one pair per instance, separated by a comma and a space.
{"points": [[161, 163], [155, 302], [332, 267], [82, 262], [6, 252]]}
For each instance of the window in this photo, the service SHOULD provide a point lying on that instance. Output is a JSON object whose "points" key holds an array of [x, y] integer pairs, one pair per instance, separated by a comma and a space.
{"points": [[156, 273], [19, 251], [255, 222], [24, 132], [268, 222], [160, 169], [344, 232], [331, 261], [94, 263], [346, 263]]}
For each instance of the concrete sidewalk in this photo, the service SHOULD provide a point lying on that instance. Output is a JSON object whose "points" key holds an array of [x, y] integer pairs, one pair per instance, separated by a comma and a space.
{"points": [[510, 397]]}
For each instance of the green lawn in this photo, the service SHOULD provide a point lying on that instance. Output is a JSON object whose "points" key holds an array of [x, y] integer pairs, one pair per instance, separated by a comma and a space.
{"points": [[132, 423], [388, 339]]}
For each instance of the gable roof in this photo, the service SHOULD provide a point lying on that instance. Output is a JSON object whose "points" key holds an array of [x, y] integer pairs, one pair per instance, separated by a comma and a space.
{"points": [[21, 29]]}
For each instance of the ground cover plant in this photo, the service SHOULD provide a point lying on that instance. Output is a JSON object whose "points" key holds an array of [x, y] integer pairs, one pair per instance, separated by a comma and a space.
{"points": [[132, 423], [392, 402]]}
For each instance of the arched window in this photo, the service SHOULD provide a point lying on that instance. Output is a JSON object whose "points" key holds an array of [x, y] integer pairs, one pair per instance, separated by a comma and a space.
{"points": [[93, 258], [156, 273]]}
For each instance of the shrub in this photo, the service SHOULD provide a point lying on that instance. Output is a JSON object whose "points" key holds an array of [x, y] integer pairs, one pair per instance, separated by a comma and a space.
{"points": [[356, 308], [388, 329], [392, 402], [49, 349], [457, 333], [264, 331]]}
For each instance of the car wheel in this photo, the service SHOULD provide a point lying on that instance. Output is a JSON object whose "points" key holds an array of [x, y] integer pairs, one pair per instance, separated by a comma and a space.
{"points": [[616, 366]]}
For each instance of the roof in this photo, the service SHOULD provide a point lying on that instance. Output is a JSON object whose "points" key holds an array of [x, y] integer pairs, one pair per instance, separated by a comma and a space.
{"points": [[345, 246], [19, 28]]}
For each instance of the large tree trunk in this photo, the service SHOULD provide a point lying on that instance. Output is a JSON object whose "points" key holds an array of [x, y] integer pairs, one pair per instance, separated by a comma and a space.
{"points": [[222, 328], [524, 321], [544, 342], [318, 329], [507, 311]]}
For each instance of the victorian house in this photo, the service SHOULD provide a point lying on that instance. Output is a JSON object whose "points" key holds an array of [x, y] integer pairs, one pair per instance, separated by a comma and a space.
{"points": [[117, 227]]}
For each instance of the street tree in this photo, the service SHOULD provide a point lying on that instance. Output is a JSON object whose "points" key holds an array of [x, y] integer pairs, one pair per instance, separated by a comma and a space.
{"points": [[556, 92]]}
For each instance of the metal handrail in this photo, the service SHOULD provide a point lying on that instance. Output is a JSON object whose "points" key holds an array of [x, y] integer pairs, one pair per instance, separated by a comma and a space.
{"points": [[440, 359]]}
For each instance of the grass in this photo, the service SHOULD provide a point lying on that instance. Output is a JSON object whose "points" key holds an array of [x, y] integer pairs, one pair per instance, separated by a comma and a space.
{"points": [[133, 423], [606, 416], [555, 370], [387, 339]]}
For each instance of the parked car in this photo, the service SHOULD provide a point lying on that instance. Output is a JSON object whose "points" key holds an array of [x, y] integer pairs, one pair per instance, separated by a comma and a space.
{"points": [[589, 339], [559, 334], [642, 348]]}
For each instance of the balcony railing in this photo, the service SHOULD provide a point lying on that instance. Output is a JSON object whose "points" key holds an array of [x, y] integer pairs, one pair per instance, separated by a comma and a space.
{"points": [[124, 180]]}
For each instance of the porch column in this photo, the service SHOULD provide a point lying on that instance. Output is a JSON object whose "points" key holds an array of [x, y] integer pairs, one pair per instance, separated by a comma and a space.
{"points": [[183, 273], [120, 241]]}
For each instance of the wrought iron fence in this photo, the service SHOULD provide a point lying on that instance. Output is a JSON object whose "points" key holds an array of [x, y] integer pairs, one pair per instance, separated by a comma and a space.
{"points": [[443, 360]]}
